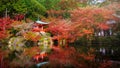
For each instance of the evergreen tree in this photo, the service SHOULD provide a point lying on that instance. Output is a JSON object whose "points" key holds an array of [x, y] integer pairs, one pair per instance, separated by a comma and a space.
{"points": [[6, 4], [32, 8]]}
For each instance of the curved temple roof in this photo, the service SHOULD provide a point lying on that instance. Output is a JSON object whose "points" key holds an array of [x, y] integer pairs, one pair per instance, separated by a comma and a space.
{"points": [[40, 22]]}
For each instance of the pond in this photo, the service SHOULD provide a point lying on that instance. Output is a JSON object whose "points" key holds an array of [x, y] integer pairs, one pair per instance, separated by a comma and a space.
{"points": [[110, 53]]}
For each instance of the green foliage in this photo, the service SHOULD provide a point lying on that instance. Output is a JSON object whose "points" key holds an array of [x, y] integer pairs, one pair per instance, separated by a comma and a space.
{"points": [[31, 8], [20, 7], [82, 4], [66, 15], [35, 8], [6, 4], [49, 4], [14, 31], [118, 35], [104, 3], [38, 7]]}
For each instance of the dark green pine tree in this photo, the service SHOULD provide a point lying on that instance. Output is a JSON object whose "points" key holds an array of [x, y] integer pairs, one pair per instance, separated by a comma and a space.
{"points": [[6, 4], [50, 4], [31, 8]]}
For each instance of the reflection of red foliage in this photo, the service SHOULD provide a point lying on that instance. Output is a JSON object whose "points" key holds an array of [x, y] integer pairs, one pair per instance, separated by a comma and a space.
{"points": [[3, 63], [56, 48], [106, 64], [39, 57], [64, 57], [87, 57], [69, 56]]}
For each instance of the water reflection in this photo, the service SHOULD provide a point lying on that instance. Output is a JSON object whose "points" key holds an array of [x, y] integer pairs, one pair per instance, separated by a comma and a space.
{"points": [[110, 53], [105, 51], [102, 50]]}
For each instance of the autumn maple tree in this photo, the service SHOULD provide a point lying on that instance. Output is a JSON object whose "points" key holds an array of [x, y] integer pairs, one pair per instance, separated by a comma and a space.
{"points": [[5, 24], [82, 22], [87, 20]]}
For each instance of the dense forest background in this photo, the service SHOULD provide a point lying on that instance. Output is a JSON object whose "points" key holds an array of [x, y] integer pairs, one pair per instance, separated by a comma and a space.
{"points": [[59, 33]]}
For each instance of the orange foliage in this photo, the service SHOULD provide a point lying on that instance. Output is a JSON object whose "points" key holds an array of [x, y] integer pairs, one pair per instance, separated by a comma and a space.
{"points": [[27, 51], [82, 21], [15, 23], [87, 31], [59, 28], [36, 29], [5, 24], [31, 36], [103, 26], [41, 56]]}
